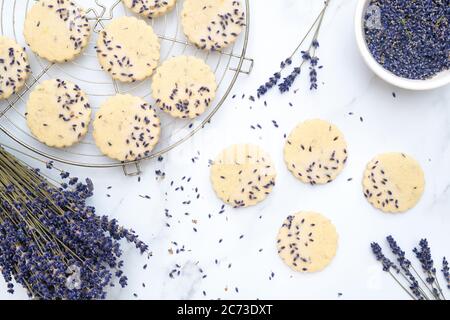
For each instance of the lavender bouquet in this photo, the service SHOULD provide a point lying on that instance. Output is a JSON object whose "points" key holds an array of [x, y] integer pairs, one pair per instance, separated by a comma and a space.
{"points": [[409, 279], [51, 241]]}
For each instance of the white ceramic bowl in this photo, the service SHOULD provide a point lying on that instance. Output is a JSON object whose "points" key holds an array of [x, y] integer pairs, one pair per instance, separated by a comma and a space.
{"points": [[437, 81]]}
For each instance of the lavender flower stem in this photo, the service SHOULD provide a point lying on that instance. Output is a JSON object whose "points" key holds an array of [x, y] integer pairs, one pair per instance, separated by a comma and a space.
{"points": [[318, 19], [421, 291], [422, 280], [439, 287], [402, 286]]}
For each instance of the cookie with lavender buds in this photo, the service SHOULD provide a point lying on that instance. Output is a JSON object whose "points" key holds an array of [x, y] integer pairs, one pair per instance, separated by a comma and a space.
{"points": [[184, 86], [243, 175], [212, 24], [57, 30], [315, 152], [393, 182], [128, 49], [14, 67], [150, 8], [307, 242], [126, 128], [58, 113]]}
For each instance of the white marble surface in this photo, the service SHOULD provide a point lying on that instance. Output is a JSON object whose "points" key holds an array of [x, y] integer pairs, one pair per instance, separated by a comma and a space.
{"points": [[417, 123]]}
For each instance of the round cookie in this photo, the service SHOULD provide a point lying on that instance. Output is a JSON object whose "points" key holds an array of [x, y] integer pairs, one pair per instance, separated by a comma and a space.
{"points": [[243, 175], [128, 49], [184, 86], [307, 242], [58, 113], [315, 152], [57, 30], [126, 128], [14, 67], [150, 8], [393, 182], [212, 24]]}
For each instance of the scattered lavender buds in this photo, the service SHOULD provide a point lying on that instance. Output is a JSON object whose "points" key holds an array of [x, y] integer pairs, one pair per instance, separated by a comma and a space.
{"points": [[407, 277], [409, 38], [51, 241], [284, 84]]}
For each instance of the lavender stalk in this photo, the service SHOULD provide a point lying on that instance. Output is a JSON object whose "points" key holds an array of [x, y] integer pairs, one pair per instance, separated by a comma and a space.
{"points": [[405, 269], [308, 56]]}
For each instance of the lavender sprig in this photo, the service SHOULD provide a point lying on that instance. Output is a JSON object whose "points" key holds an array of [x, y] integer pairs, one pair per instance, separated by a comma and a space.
{"points": [[446, 271], [308, 56], [405, 269], [289, 80], [51, 241], [387, 264], [423, 254]]}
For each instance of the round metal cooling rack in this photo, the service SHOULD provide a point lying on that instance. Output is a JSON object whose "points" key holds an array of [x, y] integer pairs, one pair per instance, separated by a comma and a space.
{"points": [[98, 85]]}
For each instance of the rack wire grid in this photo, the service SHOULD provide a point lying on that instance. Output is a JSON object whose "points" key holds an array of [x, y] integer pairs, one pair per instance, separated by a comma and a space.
{"points": [[98, 85]]}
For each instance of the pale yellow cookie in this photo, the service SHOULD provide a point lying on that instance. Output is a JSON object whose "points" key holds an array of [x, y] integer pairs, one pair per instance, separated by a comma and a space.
{"points": [[393, 182], [243, 175], [126, 128], [212, 24], [58, 113], [128, 49], [307, 242], [57, 30], [184, 86], [315, 152], [14, 67], [150, 8]]}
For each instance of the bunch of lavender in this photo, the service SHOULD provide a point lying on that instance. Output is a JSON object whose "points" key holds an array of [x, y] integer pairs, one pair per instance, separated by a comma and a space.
{"points": [[51, 241], [404, 273], [309, 55]]}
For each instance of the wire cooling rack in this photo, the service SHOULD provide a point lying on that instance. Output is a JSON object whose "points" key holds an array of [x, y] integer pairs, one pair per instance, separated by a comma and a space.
{"points": [[98, 85]]}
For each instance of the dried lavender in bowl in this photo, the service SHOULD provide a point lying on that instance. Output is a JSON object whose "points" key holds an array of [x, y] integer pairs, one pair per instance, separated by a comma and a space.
{"points": [[51, 241], [409, 38]]}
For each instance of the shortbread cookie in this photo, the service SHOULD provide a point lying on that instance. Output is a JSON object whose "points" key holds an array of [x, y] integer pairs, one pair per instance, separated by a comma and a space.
{"points": [[57, 30], [212, 24], [14, 67], [126, 128], [393, 182], [307, 242], [150, 8], [58, 113], [315, 152], [128, 49], [184, 86], [243, 175]]}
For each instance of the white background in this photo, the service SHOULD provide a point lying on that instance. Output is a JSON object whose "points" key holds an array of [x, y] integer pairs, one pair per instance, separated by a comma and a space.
{"points": [[417, 123]]}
